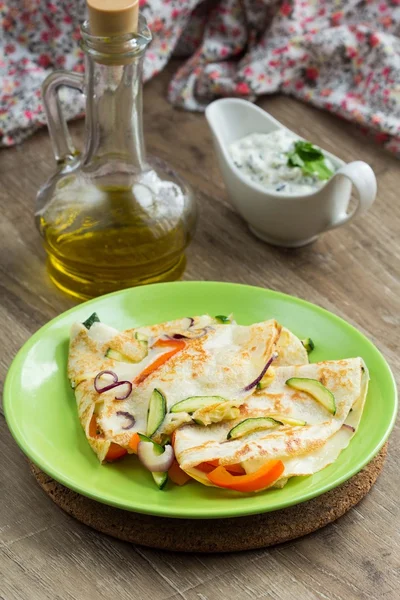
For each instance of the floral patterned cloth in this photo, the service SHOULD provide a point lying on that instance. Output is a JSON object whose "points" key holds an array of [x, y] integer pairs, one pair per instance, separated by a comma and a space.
{"points": [[340, 55]]}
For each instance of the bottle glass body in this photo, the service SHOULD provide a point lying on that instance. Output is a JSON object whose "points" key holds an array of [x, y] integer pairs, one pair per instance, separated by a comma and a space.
{"points": [[110, 217]]}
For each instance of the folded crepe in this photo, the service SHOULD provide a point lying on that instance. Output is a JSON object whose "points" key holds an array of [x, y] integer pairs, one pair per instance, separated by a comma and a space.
{"points": [[214, 359], [200, 357], [305, 448]]}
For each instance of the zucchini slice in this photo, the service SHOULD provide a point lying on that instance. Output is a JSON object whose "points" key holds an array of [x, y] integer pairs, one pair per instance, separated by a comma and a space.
{"points": [[141, 337], [308, 345], [250, 425], [160, 480], [315, 388], [289, 421], [157, 447], [222, 319], [193, 403], [115, 355], [143, 340], [156, 412]]}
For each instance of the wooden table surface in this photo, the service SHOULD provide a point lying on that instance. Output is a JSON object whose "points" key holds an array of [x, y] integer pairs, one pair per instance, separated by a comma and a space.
{"points": [[353, 271]]}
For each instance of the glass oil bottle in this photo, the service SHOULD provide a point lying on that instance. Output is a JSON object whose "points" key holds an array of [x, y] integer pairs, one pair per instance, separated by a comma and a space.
{"points": [[110, 217]]}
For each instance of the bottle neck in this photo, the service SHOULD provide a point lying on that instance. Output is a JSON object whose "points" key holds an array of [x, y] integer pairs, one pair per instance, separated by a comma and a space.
{"points": [[114, 129]]}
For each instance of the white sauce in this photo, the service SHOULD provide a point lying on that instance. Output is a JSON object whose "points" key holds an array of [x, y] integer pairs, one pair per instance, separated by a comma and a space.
{"points": [[262, 158]]}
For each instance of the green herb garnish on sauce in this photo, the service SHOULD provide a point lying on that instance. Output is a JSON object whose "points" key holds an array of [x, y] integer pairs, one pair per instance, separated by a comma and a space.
{"points": [[310, 159]]}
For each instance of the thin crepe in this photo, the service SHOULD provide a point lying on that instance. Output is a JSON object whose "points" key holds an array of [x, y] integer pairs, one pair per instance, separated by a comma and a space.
{"points": [[303, 449], [222, 362]]}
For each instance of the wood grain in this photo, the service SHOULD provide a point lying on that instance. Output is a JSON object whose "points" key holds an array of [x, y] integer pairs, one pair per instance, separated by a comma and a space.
{"points": [[353, 271]]}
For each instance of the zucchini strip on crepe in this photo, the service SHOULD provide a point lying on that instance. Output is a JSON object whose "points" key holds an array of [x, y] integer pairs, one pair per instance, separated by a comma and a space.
{"points": [[308, 438], [181, 359], [241, 405], [96, 347]]}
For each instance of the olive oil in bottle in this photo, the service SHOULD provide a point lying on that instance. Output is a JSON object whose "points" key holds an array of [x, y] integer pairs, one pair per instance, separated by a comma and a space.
{"points": [[100, 239], [110, 218]]}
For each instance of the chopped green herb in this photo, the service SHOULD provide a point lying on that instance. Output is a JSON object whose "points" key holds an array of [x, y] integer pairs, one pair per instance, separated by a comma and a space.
{"points": [[294, 160], [222, 319], [318, 168], [92, 319], [307, 151], [310, 159]]}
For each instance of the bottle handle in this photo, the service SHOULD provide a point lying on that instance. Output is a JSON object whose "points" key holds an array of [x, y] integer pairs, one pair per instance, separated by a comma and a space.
{"points": [[363, 179], [63, 147]]}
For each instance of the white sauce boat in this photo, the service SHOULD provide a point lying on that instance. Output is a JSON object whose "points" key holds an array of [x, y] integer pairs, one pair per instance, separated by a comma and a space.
{"points": [[289, 220]]}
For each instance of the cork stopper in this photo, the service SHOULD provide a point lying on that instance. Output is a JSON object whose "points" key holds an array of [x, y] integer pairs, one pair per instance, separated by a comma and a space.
{"points": [[113, 17]]}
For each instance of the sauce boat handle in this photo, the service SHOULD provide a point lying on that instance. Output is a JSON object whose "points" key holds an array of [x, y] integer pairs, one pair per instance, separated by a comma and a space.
{"points": [[363, 179]]}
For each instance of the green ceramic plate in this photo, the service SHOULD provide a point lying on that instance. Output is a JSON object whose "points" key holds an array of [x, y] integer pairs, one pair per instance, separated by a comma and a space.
{"points": [[41, 413]]}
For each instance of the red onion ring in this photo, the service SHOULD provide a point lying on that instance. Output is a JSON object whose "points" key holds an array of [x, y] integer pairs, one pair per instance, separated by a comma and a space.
{"points": [[152, 461], [261, 375], [180, 336], [353, 429], [107, 387], [129, 384], [115, 384], [131, 418]]}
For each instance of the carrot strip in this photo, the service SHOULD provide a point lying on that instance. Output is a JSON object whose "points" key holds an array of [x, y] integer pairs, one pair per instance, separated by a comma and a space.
{"points": [[93, 427], [176, 345], [176, 474], [169, 343], [134, 442], [173, 435], [115, 451], [253, 482]]}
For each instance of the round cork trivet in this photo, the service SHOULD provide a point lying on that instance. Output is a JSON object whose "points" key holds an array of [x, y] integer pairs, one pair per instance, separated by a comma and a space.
{"points": [[215, 535]]}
